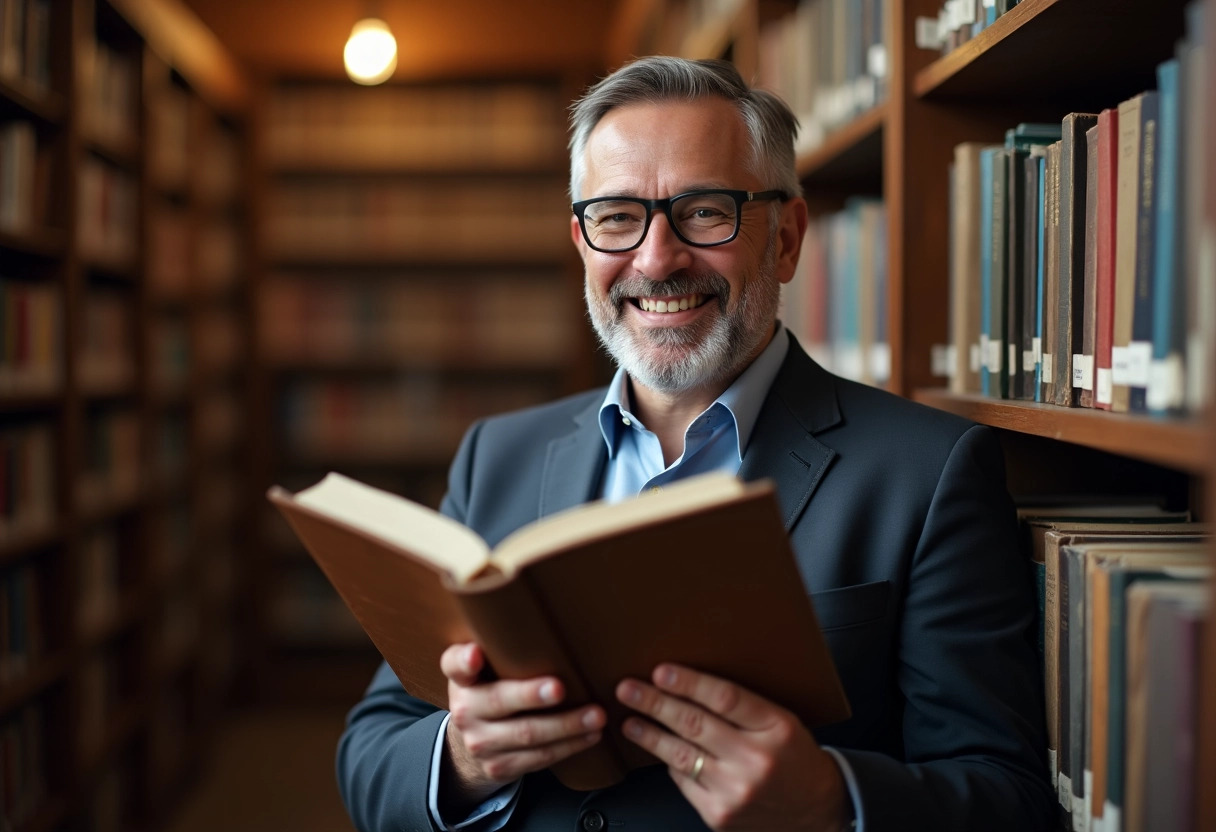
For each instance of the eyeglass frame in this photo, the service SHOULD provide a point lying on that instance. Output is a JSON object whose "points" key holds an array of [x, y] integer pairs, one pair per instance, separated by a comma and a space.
{"points": [[651, 205]]}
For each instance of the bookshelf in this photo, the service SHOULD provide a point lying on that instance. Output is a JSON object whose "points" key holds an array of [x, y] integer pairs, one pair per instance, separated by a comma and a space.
{"points": [[117, 647], [410, 281], [1069, 55]]}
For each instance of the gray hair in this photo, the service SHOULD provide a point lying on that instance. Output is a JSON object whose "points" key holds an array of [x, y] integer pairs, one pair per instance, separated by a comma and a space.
{"points": [[771, 126]]}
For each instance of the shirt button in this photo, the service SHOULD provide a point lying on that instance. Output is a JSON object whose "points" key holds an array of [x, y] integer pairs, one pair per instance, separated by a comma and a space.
{"points": [[593, 821], [625, 421]]}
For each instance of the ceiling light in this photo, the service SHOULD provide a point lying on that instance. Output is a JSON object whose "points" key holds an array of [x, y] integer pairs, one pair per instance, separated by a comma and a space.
{"points": [[371, 52]]}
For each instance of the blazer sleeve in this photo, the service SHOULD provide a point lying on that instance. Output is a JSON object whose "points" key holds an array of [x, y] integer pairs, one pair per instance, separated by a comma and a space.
{"points": [[973, 725], [384, 754]]}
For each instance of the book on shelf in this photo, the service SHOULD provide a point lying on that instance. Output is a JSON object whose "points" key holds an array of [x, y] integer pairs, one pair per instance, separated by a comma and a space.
{"points": [[1051, 277], [1068, 303], [593, 595], [1083, 361], [1166, 378], [1131, 118], [1106, 224], [1140, 348], [1165, 620]]}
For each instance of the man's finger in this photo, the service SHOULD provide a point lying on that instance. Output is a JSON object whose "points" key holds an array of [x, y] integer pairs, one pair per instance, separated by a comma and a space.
{"points": [[526, 733], [507, 767], [462, 663], [738, 706], [499, 700]]}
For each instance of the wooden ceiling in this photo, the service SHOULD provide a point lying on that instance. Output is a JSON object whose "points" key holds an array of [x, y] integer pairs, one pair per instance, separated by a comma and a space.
{"points": [[435, 38]]}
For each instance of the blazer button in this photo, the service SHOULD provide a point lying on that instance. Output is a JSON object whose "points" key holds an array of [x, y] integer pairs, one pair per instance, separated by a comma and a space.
{"points": [[593, 821]]}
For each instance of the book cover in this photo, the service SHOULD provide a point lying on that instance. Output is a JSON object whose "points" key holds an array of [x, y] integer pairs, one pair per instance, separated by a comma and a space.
{"points": [[548, 598], [1036, 390], [1104, 255], [1031, 200], [1015, 265], [1140, 349], [1071, 287]]}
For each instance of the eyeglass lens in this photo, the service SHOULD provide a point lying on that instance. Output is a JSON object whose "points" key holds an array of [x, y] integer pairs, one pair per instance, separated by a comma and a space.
{"points": [[618, 224]]}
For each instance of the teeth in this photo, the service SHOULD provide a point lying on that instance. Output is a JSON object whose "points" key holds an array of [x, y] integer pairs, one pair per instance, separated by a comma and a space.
{"points": [[663, 306]]}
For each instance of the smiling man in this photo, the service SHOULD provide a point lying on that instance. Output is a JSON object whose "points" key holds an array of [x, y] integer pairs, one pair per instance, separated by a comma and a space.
{"points": [[688, 216]]}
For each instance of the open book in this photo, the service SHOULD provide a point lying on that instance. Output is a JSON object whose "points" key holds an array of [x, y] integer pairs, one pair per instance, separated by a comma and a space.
{"points": [[700, 573]]}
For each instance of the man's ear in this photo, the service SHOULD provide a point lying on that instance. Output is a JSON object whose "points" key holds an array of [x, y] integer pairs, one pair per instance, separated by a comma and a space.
{"points": [[576, 236], [790, 233]]}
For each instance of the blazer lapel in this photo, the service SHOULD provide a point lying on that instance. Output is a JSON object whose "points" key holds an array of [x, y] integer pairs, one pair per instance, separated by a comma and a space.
{"points": [[783, 448], [574, 465]]}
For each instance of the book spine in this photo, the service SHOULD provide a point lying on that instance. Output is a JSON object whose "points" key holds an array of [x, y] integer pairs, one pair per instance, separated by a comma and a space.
{"points": [[1030, 275], [1127, 201], [1140, 348], [998, 367], [1015, 247], [1041, 249], [1052, 283], [1165, 380], [1083, 364], [1072, 253], [986, 245], [1104, 254]]}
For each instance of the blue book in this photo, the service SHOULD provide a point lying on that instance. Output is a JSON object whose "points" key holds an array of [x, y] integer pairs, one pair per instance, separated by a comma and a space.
{"points": [[1165, 388]]}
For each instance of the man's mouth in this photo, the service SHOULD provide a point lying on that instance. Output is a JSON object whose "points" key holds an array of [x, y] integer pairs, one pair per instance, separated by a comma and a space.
{"points": [[669, 304]]}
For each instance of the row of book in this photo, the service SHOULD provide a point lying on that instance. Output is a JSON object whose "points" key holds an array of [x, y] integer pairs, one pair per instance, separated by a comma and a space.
{"points": [[106, 213], [30, 337], [178, 261], [410, 417], [110, 81], [24, 182], [1124, 589], [23, 766], [828, 61], [98, 578], [508, 125], [106, 357], [27, 480], [22, 636], [509, 322], [169, 134], [836, 305], [25, 43], [111, 457], [304, 609], [1078, 274], [107, 685], [412, 220], [957, 22]]}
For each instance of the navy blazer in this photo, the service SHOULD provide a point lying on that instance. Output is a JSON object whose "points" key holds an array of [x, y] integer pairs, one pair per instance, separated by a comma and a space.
{"points": [[906, 539]]}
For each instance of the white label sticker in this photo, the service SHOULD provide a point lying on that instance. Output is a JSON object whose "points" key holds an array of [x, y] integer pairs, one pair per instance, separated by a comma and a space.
{"points": [[995, 348], [973, 358], [1065, 792], [1118, 366], [1046, 366], [1051, 762], [1013, 358], [1112, 820], [1102, 390], [1139, 357], [1028, 361], [1165, 383], [880, 363], [1037, 346], [1083, 371]]}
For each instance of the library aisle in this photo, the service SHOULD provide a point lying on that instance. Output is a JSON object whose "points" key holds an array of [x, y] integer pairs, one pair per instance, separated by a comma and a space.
{"points": [[269, 769]]}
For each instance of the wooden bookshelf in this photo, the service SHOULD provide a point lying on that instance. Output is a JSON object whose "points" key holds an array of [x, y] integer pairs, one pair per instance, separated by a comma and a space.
{"points": [[393, 307], [79, 402], [1038, 62]]}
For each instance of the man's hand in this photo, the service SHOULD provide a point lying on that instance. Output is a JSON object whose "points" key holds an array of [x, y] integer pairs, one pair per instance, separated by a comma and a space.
{"points": [[760, 768], [493, 740]]}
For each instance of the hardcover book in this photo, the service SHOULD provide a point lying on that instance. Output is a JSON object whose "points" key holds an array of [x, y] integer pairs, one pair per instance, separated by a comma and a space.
{"points": [[700, 573]]}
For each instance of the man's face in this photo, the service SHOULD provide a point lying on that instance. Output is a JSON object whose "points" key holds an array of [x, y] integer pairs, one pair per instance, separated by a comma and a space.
{"points": [[725, 297]]}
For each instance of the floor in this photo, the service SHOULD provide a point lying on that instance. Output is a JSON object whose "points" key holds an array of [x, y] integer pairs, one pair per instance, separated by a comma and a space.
{"points": [[269, 770]]}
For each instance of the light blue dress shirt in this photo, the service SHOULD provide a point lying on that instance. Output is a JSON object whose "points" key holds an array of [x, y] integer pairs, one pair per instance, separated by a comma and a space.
{"points": [[714, 441]]}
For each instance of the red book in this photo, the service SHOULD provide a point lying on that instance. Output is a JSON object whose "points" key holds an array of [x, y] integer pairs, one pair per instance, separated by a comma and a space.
{"points": [[1108, 171]]}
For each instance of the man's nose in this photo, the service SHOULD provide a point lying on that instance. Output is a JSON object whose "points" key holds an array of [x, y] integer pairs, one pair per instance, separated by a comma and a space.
{"points": [[662, 252]]}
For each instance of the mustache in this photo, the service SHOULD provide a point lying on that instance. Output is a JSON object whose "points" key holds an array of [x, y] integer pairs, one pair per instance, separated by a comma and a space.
{"points": [[707, 283]]}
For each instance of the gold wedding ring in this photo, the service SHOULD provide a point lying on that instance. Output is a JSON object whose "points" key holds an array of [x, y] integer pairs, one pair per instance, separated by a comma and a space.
{"points": [[697, 766]]}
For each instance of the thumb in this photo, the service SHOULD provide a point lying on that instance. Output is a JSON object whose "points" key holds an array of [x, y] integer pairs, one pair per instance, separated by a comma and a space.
{"points": [[462, 663]]}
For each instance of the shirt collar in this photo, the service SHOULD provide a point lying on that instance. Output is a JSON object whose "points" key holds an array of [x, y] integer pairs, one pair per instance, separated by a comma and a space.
{"points": [[742, 400]]}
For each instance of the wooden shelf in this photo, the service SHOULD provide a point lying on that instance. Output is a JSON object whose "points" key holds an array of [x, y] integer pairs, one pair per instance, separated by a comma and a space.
{"points": [[47, 243], [121, 152], [346, 167], [1070, 51], [46, 672], [1181, 444], [46, 106], [21, 401], [14, 545], [850, 157]]}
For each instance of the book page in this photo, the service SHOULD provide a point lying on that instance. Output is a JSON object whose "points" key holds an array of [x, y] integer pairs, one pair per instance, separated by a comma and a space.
{"points": [[399, 522], [598, 519]]}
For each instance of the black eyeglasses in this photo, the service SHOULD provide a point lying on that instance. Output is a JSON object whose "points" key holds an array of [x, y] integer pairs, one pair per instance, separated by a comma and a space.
{"points": [[699, 218]]}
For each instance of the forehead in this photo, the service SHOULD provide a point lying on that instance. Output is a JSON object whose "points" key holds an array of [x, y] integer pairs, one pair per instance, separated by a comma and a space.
{"points": [[659, 149]]}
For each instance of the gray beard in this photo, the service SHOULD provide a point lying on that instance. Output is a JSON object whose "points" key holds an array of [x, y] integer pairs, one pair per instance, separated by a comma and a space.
{"points": [[675, 360]]}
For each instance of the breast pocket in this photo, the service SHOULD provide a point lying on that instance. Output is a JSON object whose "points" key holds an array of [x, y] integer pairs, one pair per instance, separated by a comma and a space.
{"points": [[851, 606]]}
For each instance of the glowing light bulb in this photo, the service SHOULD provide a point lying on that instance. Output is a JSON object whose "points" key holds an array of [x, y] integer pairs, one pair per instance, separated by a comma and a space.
{"points": [[371, 52]]}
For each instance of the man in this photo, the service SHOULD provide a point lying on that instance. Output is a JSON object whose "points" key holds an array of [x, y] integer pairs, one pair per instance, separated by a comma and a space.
{"points": [[688, 218]]}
